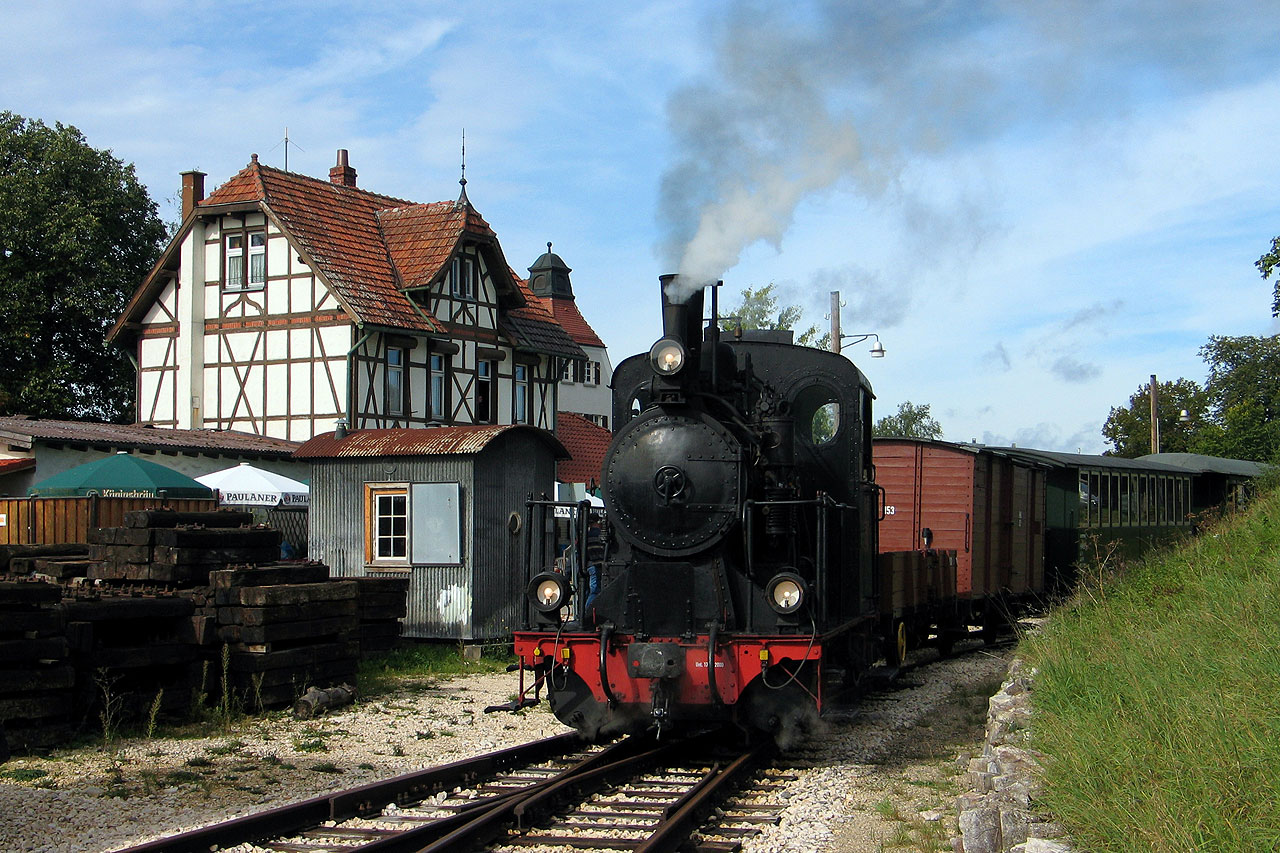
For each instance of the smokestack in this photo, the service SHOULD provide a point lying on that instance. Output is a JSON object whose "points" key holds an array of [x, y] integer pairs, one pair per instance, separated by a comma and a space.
{"points": [[681, 320], [342, 173], [192, 191]]}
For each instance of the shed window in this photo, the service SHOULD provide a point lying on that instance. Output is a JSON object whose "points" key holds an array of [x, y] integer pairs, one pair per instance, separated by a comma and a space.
{"points": [[388, 525], [418, 524]]}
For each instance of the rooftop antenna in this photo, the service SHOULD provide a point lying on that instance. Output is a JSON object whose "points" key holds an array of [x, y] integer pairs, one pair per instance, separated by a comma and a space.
{"points": [[286, 148]]}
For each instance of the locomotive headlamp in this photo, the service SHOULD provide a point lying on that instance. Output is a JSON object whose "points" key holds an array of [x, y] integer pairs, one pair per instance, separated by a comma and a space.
{"points": [[786, 593], [548, 592], [667, 357]]}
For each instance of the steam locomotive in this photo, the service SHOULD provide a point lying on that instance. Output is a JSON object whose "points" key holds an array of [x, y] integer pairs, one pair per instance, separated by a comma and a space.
{"points": [[740, 574]]}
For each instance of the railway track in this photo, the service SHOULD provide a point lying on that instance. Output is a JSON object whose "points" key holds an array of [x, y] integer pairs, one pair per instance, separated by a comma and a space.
{"points": [[637, 794]]}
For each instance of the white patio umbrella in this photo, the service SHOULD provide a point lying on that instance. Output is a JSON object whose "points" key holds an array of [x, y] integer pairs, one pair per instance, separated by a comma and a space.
{"points": [[245, 485]]}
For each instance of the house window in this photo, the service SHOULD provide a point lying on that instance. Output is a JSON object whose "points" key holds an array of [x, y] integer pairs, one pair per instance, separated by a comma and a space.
{"points": [[462, 278], [395, 381], [246, 260], [595, 373], [437, 388], [486, 400], [521, 407], [387, 524]]}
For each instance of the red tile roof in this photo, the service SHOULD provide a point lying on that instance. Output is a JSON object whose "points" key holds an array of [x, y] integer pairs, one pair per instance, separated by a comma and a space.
{"points": [[23, 431], [534, 326], [571, 320], [435, 441], [587, 442], [371, 248]]}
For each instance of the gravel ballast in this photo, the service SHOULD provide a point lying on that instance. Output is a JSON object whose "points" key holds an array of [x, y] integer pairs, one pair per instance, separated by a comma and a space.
{"points": [[868, 773]]}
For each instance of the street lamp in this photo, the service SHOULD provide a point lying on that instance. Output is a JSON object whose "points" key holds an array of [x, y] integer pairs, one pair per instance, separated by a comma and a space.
{"points": [[877, 349]]}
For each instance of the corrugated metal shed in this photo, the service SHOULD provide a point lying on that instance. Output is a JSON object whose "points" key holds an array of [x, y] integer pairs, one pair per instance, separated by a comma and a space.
{"points": [[495, 469]]}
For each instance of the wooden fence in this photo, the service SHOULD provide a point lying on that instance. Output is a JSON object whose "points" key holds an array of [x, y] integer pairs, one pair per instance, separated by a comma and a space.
{"points": [[50, 521]]}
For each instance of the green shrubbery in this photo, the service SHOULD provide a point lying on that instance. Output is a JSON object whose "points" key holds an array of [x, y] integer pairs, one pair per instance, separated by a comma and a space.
{"points": [[1158, 700]]}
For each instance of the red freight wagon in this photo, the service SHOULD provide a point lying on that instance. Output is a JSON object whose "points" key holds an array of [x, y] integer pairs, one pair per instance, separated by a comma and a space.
{"points": [[985, 505]]}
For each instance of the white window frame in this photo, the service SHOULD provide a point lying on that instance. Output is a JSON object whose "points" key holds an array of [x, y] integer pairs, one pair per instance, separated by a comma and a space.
{"points": [[439, 385], [245, 263], [393, 384]]}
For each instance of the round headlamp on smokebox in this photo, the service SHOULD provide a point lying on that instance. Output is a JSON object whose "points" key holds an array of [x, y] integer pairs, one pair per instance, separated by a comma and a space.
{"points": [[667, 357], [786, 593], [549, 591]]}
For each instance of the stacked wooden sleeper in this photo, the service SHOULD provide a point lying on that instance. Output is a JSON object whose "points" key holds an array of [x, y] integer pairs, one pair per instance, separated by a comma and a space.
{"points": [[36, 677], [286, 627]]}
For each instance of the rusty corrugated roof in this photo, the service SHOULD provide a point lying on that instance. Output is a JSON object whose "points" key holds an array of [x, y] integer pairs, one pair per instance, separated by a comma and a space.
{"points": [[85, 432], [434, 441]]}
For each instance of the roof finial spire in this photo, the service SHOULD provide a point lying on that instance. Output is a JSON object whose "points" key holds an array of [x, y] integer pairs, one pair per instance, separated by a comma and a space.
{"points": [[463, 201], [548, 247]]}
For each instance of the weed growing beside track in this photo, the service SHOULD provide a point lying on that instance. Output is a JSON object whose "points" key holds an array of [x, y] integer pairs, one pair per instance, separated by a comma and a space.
{"points": [[1158, 698]]}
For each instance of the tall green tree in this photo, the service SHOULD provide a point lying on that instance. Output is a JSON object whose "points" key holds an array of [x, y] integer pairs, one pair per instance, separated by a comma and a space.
{"points": [[1244, 390], [910, 421], [1128, 428], [759, 309], [78, 232], [1266, 265]]}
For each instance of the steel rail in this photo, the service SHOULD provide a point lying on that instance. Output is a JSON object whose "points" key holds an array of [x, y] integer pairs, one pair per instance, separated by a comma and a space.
{"points": [[364, 800], [682, 817]]}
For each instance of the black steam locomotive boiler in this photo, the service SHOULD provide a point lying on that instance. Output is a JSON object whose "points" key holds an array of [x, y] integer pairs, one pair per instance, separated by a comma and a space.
{"points": [[740, 524]]}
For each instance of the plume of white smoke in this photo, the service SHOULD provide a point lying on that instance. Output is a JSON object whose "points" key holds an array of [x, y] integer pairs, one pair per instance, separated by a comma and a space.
{"points": [[818, 94]]}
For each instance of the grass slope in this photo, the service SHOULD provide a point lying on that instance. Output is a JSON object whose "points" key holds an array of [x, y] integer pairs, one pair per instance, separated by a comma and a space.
{"points": [[1158, 699]]}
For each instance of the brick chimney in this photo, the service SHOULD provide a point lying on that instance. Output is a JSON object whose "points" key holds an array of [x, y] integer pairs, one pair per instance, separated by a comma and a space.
{"points": [[192, 191], [342, 173]]}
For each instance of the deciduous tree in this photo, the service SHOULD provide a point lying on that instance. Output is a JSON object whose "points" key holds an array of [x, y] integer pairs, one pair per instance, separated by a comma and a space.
{"points": [[77, 234], [759, 310], [910, 421], [1128, 428], [1266, 265]]}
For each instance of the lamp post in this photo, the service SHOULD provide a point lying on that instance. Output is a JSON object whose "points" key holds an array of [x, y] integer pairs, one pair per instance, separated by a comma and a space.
{"points": [[837, 339]]}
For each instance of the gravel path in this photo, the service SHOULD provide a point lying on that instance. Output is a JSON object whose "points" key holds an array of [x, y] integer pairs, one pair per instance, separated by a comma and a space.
{"points": [[866, 776]]}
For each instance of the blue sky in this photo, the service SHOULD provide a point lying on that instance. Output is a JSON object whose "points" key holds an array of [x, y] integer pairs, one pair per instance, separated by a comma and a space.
{"points": [[1035, 205]]}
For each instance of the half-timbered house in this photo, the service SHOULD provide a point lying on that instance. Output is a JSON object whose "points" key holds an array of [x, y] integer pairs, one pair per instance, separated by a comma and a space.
{"points": [[285, 304], [584, 385]]}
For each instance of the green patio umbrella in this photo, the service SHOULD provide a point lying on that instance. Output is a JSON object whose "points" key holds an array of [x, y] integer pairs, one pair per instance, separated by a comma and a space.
{"points": [[120, 476]]}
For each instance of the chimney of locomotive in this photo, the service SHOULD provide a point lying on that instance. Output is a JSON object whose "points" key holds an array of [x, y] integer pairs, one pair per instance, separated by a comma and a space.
{"points": [[682, 320]]}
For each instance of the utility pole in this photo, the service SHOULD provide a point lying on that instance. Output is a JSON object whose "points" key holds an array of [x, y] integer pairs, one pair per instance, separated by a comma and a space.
{"points": [[835, 322], [1155, 424]]}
